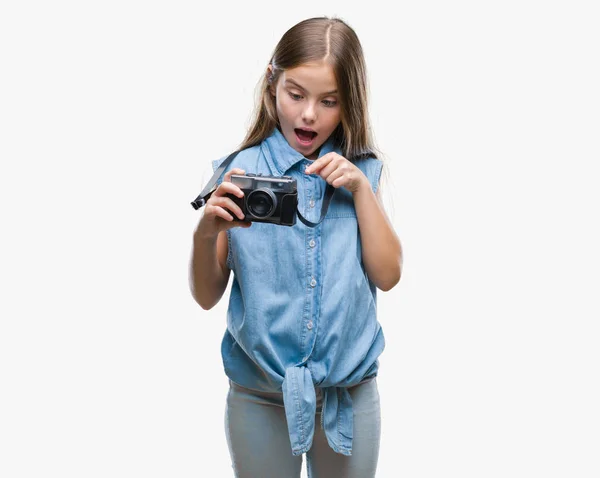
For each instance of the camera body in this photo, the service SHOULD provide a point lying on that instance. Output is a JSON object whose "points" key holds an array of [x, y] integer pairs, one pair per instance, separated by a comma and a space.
{"points": [[271, 199]]}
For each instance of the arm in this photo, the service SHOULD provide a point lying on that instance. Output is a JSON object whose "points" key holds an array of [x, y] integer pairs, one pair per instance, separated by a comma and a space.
{"points": [[381, 248], [208, 272]]}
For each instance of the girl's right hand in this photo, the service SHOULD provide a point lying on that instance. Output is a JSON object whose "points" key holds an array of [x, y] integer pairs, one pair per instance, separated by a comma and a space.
{"points": [[219, 208]]}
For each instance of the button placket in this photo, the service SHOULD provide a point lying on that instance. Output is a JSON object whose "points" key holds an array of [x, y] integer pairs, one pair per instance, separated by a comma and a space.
{"points": [[312, 281]]}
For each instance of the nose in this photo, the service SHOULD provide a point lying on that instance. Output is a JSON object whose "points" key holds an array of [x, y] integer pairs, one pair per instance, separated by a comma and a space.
{"points": [[309, 114]]}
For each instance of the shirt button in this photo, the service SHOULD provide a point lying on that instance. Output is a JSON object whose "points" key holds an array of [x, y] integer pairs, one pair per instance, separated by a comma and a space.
{"points": [[313, 282], [309, 325], [312, 203], [312, 243]]}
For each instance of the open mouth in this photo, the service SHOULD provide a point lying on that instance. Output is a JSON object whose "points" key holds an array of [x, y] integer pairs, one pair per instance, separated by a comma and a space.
{"points": [[305, 137]]}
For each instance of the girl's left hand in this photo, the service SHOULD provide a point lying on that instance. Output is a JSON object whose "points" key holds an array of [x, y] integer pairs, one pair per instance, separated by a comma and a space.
{"points": [[338, 171]]}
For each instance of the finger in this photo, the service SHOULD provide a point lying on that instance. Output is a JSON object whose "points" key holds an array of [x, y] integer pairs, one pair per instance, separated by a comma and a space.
{"points": [[316, 166], [313, 168], [218, 211], [243, 224], [331, 168], [336, 174], [228, 174], [228, 187], [227, 202]]}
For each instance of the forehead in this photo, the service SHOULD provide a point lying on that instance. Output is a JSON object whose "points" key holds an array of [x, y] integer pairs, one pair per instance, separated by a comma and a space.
{"points": [[314, 77]]}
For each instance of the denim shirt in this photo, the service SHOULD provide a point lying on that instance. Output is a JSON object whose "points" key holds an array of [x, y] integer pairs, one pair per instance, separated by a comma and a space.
{"points": [[302, 310]]}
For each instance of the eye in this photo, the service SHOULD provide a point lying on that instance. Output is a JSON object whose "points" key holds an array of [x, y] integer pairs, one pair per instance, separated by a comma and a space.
{"points": [[327, 103]]}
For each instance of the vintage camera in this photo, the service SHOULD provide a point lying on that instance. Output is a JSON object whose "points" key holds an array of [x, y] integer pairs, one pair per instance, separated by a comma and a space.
{"points": [[272, 199]]}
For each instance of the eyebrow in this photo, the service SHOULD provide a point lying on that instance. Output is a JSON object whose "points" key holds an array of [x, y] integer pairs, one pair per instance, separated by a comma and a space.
{"points": [[289, 80]]}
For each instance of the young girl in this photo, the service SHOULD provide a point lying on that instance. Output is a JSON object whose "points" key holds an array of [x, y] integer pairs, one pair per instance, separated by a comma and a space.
{"points": [[302, 341]]}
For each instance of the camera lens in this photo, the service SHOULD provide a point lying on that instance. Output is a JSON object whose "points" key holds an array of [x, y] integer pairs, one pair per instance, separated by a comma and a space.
{"points": [[261, 203]]}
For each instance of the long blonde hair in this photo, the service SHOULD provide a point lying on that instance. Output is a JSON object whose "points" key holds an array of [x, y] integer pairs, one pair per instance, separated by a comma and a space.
{"points": [[315, 40]]}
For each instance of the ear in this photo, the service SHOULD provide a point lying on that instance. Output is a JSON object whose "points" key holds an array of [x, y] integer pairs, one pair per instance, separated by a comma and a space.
{"points": [[270, 81]]}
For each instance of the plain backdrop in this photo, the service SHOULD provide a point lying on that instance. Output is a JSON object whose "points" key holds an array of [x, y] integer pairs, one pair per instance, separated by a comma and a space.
{"points": [[488, 115]]}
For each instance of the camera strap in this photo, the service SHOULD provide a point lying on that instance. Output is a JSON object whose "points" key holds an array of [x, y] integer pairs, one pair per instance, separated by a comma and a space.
{"points": [[208, 191], [326, 200]]}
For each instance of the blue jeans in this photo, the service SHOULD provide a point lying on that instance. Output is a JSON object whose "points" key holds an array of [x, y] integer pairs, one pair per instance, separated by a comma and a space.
{"points": [[259, 444]]}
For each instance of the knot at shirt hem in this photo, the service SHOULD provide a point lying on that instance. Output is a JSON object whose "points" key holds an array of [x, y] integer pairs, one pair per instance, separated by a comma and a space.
{"points": [[300, 403]]}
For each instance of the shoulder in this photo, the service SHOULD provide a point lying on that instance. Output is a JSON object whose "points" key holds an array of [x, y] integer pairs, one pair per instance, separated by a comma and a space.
{"points": [[244, 159], [241, 157]]}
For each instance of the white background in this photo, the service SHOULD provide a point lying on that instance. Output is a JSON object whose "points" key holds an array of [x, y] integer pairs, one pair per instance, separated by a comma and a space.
{"points": [[488, 114]]}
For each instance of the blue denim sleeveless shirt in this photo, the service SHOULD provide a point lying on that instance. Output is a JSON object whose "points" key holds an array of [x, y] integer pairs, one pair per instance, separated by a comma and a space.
{"points": [[302, 310]]}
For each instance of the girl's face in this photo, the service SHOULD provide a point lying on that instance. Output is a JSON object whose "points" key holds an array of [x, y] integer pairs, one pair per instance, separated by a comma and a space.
{"points": [[306, 97]]}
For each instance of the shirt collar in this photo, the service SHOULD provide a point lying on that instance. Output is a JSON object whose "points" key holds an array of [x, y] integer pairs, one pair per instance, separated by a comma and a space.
{"points": [[281, 156]]}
